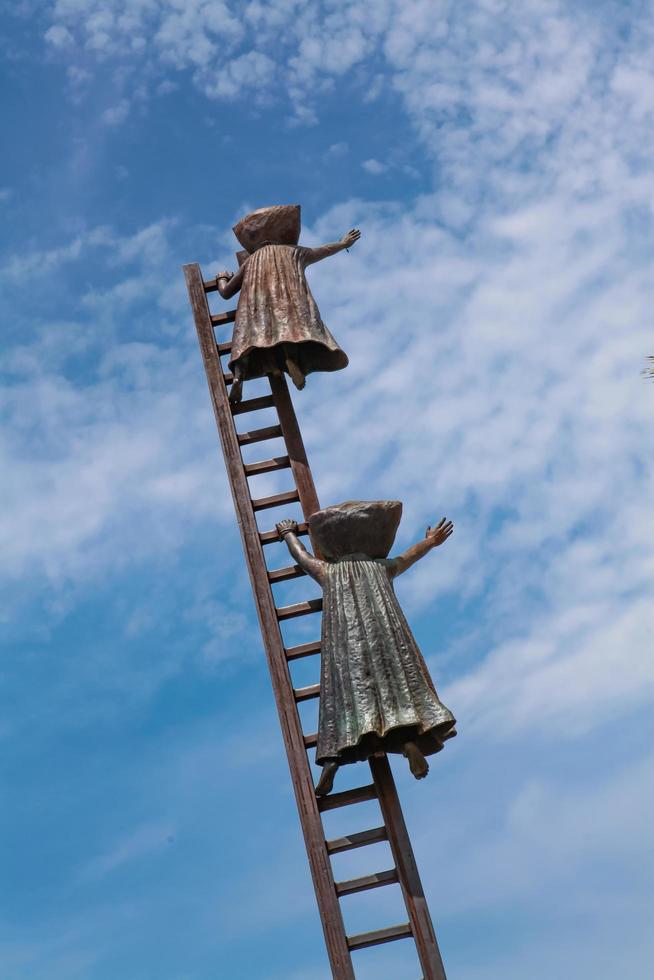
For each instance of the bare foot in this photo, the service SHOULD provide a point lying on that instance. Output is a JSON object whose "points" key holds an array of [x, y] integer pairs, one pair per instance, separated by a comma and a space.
{"points": [[236, 392], [297, 377], [417, 762], [326, 781]]}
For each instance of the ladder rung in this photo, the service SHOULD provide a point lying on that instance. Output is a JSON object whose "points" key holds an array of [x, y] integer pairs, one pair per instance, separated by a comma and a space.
{"points": [[269, 537], [306, 693], [224, 349], [285, 574], [276, 500], [259, 435], [228, 378], [361, 839], [267, 466], [303, 650], [358, 795], [218, 319], [379, 936], [299, 609], [253, 405], [310, 741], [367, 882]]}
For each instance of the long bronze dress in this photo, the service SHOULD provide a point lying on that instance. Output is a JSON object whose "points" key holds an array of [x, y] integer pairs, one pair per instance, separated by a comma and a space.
{"points": [[275, 306], [375, 689]]}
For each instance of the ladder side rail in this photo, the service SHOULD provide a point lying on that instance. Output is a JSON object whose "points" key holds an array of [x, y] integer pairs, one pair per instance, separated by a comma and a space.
{"points": [[295, 446], [407, 869], [319, 862]]}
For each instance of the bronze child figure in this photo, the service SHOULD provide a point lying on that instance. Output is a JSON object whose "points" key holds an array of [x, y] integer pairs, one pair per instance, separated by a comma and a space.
{"points": [[278, 325], [375, 690]]}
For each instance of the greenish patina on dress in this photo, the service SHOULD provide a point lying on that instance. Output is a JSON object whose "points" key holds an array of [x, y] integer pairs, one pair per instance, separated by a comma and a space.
{"points": [[375, 689], [376, 693]]}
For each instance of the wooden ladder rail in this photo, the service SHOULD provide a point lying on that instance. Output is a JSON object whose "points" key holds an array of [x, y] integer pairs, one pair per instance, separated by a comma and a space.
{"points": [[382, 788]]}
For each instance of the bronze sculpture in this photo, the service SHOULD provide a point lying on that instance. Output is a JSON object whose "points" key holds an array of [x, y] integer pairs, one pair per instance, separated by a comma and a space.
{"points": [[375, 690], [278, 325], [390, 703]]}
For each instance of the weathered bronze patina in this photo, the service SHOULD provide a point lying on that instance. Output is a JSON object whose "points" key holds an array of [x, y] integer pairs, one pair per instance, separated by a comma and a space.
{"points": [[375, 690], [278, 326]]}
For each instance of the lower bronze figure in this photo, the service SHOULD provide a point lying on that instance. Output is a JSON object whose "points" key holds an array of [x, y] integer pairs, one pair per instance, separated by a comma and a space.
{"points": [[375, 690]]}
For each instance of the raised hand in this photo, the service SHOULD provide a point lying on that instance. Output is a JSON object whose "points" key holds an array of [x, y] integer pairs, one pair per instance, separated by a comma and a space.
{"points": [[351, 237], [285, 527], [437, 535]]}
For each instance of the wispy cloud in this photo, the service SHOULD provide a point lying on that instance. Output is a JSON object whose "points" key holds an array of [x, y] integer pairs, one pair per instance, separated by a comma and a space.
{"points": [[117, 114], [374, 167], [139, 843], [496, 326]]}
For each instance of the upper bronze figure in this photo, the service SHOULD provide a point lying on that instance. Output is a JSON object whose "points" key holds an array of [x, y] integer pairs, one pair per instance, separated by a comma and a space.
{"points": [[278, 326], [375, 690]]}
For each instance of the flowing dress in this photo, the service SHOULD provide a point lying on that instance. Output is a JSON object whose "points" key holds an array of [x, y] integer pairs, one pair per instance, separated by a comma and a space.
{"points": [[375, 689], [275, 306]]}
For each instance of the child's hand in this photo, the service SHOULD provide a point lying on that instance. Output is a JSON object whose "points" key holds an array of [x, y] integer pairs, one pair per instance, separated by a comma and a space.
{"points": [[225, 275], [352, 236], [285, 527], [437, 535]]}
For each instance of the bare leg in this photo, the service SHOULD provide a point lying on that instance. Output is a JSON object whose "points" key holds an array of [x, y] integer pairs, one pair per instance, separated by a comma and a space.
{"points": [[297, 375], [236, 392], [298, 379], [326, 781], [417, 762]]}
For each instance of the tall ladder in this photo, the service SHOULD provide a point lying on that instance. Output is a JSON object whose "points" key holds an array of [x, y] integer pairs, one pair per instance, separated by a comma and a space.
{"points": [[382, 787]]}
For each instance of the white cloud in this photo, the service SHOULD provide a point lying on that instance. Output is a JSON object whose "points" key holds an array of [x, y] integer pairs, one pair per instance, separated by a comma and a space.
{"points": [[567, 675], [107, 450], [117, 114], [546, 831], [374, 167], [82, 458], [475, 79], [58, 36], [522, 347], [78, 78], [252, 70], [45, 261]]}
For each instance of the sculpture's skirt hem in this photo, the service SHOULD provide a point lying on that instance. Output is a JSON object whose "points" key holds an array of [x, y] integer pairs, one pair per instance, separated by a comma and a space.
{"points": [[309, 355], [394, 740]]}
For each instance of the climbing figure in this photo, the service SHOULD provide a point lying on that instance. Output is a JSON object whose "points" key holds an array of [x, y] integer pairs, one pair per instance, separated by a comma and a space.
{"points": [[278, 325], [375, 690]]}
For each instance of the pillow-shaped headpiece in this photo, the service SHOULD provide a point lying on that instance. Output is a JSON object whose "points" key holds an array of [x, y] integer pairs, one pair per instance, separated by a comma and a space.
{"points": [[365, 527], [279, 225]]}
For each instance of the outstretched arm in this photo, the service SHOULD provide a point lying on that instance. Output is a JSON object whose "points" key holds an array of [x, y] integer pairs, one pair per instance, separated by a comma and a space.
{"points": [[228, 283], [287, 531], [324, 251], [433, 537]]}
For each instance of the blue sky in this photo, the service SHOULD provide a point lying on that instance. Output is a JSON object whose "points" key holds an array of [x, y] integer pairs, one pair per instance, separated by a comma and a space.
{"points": [[497, 313]]}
